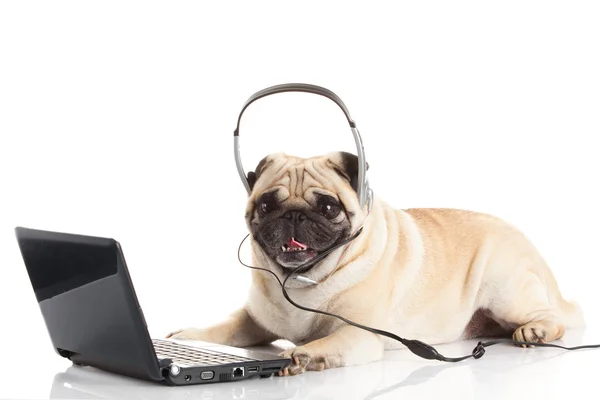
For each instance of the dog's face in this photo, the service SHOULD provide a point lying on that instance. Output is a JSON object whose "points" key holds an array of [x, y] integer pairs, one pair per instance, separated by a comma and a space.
{"points": [[299, 208]]}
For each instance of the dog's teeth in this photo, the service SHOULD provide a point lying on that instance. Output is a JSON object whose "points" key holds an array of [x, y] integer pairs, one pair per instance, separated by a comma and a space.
{"points": [[289, 249]]}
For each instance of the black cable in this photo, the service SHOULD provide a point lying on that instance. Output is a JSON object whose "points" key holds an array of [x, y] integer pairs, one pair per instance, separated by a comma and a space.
{"points": [[257, 268], [417, 347]]}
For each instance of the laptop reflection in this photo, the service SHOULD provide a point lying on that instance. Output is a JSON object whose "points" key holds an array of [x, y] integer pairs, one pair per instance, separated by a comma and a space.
{"points": [[90, 383]]}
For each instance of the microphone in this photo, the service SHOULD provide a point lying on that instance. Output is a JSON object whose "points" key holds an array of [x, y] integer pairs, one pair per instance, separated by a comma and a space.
{"points": [[304, 279]]}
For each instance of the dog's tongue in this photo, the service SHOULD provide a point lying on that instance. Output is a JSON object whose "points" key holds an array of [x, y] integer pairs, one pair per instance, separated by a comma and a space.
{"points": [[294, 243]]}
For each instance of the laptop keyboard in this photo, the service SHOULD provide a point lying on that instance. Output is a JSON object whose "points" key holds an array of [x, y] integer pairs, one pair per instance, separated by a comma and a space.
{"points": [[193, 356]]}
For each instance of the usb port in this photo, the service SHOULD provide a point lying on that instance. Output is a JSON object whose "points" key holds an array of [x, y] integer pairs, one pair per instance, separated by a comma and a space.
{"points": [[252, 369]]}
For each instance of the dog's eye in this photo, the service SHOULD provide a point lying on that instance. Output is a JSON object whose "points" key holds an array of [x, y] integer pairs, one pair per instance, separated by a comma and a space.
{"points": [[267, 203], [330, 210], [266, 207]]}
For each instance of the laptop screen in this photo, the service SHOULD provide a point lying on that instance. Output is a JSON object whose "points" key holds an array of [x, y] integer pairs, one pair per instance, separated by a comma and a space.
{"points": [[56, 265]]}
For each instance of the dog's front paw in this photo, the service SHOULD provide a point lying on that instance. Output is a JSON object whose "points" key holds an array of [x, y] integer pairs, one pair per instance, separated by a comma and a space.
{"points": [[304, 360], [187, 334]]}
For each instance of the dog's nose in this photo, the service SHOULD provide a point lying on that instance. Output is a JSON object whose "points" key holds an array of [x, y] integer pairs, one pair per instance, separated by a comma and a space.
{"points": [[295, 216]]}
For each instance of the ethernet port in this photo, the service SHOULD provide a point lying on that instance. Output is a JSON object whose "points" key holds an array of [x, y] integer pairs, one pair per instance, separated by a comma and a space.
{"points": [[238, 372]]}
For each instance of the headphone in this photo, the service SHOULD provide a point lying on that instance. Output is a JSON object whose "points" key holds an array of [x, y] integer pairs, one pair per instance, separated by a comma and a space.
{"points": [[365, 194]]}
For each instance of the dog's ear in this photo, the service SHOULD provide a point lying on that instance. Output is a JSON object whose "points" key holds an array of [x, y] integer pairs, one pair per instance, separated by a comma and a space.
{"points": [[346, 165], [254, 175]]}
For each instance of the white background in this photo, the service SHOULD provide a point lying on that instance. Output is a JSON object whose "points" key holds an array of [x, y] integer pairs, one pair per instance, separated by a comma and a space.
{"points": [[116, 119]]}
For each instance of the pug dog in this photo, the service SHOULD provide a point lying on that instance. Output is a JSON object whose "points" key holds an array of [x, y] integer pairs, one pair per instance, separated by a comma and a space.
{"points": [[437, 275]]}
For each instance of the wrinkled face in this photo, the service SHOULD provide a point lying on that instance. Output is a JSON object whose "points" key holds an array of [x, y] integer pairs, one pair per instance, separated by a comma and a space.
{"points": [[293, 231], [301, 207]]}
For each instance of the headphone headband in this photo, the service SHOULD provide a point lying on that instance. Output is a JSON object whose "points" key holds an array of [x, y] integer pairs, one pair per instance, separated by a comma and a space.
{"points": [[295, 87], [364, 192]]}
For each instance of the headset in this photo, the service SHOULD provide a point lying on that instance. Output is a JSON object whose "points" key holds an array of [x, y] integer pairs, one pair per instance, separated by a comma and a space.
{"points": [[365, 194], [365, 197]]}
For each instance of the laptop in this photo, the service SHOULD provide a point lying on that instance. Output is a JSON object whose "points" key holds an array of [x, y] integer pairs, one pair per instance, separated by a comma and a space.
{"points": [[93, 317]]}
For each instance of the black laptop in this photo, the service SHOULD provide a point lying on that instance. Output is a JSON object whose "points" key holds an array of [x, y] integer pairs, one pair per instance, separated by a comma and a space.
{"points": [[93, 316]]}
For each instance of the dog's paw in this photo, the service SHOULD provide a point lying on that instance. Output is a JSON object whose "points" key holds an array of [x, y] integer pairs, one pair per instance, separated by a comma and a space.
{"points": [[300, 360], [303, 360], [187, 334], [533, 332]]}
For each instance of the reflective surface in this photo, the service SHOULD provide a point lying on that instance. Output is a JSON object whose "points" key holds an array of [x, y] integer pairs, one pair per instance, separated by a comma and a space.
{"points": [[503, 372]]}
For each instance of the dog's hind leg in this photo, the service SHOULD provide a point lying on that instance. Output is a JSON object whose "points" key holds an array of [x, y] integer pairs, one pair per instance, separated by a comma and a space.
{"points": [[528, 305]]}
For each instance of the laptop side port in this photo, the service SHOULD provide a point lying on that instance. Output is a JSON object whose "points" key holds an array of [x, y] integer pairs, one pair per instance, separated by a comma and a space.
{"points": [[238, 372], [271, 369], [252, 369], [207, 375]]}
